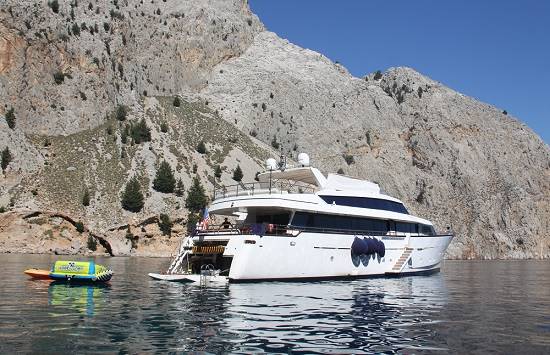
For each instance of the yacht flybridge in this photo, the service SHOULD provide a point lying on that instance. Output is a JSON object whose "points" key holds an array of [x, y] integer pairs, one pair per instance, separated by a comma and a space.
{"points": [[296, 223]]}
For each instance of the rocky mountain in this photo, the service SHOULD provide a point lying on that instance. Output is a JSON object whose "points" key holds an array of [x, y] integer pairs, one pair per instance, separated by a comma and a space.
{"points": [[66, 67]]}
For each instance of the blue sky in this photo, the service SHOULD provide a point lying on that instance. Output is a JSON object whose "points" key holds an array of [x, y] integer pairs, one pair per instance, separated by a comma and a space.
{"points": [[495, 51]]}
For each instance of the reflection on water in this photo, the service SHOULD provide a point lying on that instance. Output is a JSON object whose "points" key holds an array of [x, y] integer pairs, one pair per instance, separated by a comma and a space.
{"points": [[471, 306], [86, 299]]}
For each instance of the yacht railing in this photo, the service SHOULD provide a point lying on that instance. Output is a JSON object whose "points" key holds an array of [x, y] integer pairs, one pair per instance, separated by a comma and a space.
{"points": [[290, 230], [256, 188]]}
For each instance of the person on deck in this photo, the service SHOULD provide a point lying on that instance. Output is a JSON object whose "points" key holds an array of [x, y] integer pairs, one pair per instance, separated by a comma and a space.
{"points": [[226, 224]]}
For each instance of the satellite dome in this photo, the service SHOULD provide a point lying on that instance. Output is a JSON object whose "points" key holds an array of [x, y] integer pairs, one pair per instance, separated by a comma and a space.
{"points": [[303, 159], [271, 164]]}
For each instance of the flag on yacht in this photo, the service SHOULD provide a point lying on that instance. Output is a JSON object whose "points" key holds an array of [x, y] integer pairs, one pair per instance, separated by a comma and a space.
{"points": [[205, 218]]}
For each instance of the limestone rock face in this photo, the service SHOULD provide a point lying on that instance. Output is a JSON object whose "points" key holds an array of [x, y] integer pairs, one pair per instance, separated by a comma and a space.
{"points": [[107, 54], [243, 91]]}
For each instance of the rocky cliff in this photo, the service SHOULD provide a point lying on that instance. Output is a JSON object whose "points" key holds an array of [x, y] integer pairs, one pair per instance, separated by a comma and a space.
{"points": [[65, 69]]}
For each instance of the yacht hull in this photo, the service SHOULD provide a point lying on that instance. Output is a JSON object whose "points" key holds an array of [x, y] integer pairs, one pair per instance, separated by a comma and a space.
{"points": [[317, 256]]}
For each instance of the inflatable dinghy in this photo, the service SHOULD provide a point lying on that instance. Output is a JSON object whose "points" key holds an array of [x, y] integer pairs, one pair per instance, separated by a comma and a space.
{"points": [[38, 274], [74, 271]]}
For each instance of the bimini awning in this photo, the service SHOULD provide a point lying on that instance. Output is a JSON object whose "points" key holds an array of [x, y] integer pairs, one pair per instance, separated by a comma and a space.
{"points": [[307, 175]]}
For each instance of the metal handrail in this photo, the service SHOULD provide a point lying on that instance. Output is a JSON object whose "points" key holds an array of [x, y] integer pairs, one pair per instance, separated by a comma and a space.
{"points": [[282, 229], [253, 188]]}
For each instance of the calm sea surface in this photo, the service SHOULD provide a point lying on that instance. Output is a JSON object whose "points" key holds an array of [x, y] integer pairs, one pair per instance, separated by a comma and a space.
{"points": [[471, 307]]}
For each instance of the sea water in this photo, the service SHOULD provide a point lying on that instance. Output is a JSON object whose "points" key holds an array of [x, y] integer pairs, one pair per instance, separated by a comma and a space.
{"points": [[470, 307]]}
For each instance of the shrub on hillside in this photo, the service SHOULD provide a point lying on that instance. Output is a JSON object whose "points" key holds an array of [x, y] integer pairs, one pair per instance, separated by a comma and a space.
{"points": [[54, 5], [274, 143], [349, 159], [196, 198], [59, 77], [10, 118], [218, 171], [91, 243], [140, 132], [121, 112], [165, 224], [164, 179], [86, 198], [75, 29], [124, 134], [238, 174], [79, 227], [201, 148], [180, 189], [5, 159], [132, 198], [192, 219]]}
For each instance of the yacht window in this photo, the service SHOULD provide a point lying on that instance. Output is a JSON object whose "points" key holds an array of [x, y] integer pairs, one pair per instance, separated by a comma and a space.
{"points": [[280, 219], [348, 223], [366, 202], [426, 229], [403, 227], [324, 221]]}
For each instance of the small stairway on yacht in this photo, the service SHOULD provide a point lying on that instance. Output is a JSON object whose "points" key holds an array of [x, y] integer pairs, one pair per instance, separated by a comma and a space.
{"points": [[402, 260], [177, 265]]}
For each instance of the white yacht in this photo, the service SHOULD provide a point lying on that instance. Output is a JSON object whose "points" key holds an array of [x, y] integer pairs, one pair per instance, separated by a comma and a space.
{"points": [[297, 224]]}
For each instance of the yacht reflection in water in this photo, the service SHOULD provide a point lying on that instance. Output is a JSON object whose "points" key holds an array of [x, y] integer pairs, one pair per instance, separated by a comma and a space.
{"points": [[86, 299], [366, 315]]}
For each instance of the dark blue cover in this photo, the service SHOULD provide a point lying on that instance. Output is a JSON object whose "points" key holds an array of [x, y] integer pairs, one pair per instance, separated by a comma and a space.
{"points": [[360, 246]]}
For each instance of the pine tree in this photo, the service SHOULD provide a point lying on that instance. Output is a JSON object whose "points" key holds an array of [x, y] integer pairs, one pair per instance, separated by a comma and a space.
{"points": [[177, 101], [201, 148], [121, 112], [91, 243], [10, 118], [274, 143], [164, 179], [165, 224], [124, 134], [196, 198], [59, 77], [140, 132], [192, 219], [54, 5], [86, 198], [218, 171], [238, 174], [79, 227], [132, 198], [6, 158], [179, 190]]}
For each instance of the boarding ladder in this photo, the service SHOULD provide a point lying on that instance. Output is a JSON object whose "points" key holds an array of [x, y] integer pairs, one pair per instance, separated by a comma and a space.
{"points": [[177, 265], [402, 260], [207, 271]]}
